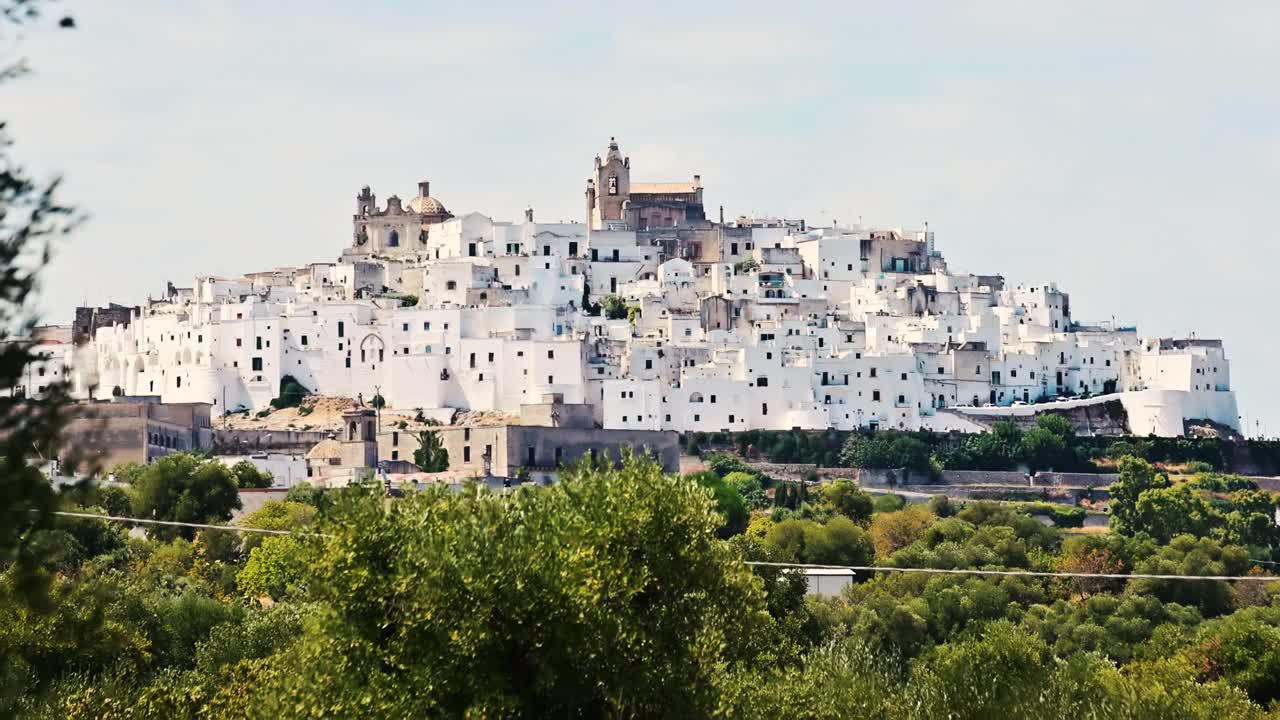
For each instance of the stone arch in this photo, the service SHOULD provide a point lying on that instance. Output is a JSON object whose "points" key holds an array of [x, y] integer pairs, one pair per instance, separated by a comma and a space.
{"points": [[372, 348], [695, 397], [351, 431]]}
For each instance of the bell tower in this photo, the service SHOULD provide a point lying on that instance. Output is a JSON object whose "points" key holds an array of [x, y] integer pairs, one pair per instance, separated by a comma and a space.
{"points": [[609, 188], [359, 439]]}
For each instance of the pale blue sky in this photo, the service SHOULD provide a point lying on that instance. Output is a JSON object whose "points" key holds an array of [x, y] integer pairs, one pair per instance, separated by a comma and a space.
{"points": [[1129, 151]]}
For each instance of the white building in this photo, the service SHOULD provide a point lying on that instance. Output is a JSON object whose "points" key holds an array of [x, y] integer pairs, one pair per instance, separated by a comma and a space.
{"points": [[756, 325]]}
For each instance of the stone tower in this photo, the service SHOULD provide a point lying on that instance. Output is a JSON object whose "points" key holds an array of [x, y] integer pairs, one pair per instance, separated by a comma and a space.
{"points": [[359, 439], [609, 188]]}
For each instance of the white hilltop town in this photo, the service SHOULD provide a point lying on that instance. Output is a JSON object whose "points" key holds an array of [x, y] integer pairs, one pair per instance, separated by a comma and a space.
{"points": [[649, 317]]}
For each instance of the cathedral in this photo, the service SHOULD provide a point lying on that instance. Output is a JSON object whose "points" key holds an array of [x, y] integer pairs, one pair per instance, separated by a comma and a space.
{"points": [[396, 230], [614, 202]]}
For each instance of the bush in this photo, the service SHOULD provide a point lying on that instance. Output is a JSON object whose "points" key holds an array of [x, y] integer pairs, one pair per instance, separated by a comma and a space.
{"points": [[893, 531], [291, 394]]}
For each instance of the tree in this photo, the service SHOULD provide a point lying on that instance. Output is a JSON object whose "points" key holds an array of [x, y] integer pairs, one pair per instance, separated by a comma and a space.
{"points": [[728, 501], [184, 488], [276, 515], [1165, 513], [887, 449], [1188, 555], [1136, 477], [292, 393], [431, 455], [748, 486], [249, 476], [274, 568], [893, 531], [31, 219], [614, 308], [623, 588], [1043, 449], [847, 499]]}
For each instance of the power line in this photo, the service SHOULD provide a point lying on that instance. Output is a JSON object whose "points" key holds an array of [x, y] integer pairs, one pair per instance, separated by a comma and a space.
{"points": [[1023, 573], [857, 568], [232, 528]]}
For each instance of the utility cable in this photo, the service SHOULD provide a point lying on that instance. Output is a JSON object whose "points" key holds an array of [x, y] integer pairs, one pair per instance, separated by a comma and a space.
{"points": [[1022, 573], [798, 566]]}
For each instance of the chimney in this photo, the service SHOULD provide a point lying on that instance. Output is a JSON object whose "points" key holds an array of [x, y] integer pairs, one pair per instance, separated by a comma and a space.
{"points": [[721, 214], [424, 188], [697, 180]]}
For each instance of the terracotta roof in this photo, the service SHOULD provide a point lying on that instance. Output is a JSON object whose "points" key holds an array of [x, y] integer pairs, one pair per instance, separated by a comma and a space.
{"points": [[663, 188], [426, 205], [325, 449]]}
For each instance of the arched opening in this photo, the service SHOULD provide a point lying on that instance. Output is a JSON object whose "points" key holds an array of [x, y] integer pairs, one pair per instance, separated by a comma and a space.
{"points": [[351, 431], [695, 398], [393, 238]]}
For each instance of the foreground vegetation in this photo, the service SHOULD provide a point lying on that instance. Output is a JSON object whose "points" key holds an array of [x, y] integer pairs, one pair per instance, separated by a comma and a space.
{"points": [[621, 592], [1050, 444]]}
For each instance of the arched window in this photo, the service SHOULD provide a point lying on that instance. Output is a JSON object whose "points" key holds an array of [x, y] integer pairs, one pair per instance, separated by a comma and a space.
{"points": [[393, 239], [695, 398], [484, 296], [351, 432]]}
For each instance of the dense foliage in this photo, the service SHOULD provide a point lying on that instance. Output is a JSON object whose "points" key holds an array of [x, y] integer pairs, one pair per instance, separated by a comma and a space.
{"points": [[1005, 447], [615, 593]]}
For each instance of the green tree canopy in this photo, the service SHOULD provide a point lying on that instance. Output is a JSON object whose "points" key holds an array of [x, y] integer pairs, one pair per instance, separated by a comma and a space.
{"points": [[249, 476], [185, 488], [431, 455]]}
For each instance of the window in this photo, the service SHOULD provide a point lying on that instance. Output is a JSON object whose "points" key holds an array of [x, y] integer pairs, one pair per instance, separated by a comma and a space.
{"points": [[573, 249], [257, 364], [473, 361], [342, 327], [697, 418], [875, 395], [764, 408], [304, 341], [615, 254], [258, 343], [393, 239], [648, 363], [466, 453], [713, 399], [904, 376], [762, 381], [348, 361], [730, 419], [451, 285], [471, 249], [426, 325], [872, 373], [395, 437], [529, 456], [551, 354], [395, 454], [239, 342], [551, 380], [902, 399]]}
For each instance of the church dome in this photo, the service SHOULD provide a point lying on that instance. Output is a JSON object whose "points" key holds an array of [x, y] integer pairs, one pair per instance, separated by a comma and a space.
{"points": [[426, 205]]}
